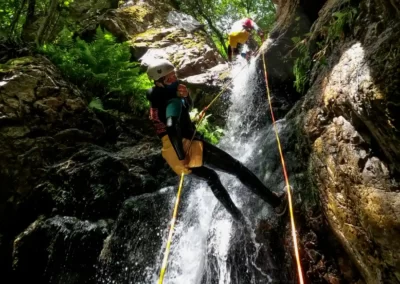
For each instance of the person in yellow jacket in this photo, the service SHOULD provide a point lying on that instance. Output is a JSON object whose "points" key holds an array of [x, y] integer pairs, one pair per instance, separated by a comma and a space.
{"points": [[240, 34], [169, 111]]}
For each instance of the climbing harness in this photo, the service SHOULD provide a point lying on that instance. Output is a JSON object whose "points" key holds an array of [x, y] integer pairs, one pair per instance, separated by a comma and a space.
{"points": [[294, 237], [171, 231]]}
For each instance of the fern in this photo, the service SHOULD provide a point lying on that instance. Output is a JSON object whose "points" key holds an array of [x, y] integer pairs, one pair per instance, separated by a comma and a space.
{"points": [[341, 19], [99, 67], [302, 65], [96, 103]]}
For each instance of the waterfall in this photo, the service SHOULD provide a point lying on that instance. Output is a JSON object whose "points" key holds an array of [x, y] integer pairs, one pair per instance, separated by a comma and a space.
{"points": [[208, 247]]}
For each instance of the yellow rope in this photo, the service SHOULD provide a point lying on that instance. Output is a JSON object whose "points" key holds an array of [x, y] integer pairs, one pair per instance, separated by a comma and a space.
{"points": [[171, 231], [294, 237]]}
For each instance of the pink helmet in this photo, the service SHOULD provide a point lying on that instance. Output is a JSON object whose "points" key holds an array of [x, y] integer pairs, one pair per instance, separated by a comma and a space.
{"points": [[248, 23]]}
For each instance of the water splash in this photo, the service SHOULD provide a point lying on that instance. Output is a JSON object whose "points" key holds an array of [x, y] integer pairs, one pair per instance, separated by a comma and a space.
{"points": [[208, 248]]}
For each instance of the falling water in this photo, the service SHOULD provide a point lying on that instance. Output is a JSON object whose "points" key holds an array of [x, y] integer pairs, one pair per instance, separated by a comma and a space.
{"points": [[206, 233], [208, 247]]}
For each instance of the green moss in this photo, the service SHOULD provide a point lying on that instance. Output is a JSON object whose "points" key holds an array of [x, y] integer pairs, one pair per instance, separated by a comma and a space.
{"points": [[4, 68], [15, 131], [139, 12], [200, 34], [21, 61], [147, 33], [177, 58], [178, 34], [191, 43]]}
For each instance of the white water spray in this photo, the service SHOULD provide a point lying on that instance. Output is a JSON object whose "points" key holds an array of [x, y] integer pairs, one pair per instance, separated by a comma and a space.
{"points": [[204, 227]]}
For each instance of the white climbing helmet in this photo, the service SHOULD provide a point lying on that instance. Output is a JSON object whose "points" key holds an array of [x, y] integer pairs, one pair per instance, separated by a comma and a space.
{"points": [[159, 68]]}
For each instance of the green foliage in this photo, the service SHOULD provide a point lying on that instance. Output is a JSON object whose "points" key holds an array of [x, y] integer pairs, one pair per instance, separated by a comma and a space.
{"points": [[218, 16], [96, 103], [67, 3], [99, 67], [211, 133], [220, 47], [340, 20], [10, 19], [13, 14], [302, 65]]}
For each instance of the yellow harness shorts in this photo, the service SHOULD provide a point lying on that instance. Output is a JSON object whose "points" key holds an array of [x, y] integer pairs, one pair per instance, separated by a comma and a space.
{"points": [[195, 155]]}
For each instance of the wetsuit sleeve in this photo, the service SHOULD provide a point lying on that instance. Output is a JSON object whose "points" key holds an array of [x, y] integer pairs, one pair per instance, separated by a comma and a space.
{"points": [[154, 117], [173, 114]]}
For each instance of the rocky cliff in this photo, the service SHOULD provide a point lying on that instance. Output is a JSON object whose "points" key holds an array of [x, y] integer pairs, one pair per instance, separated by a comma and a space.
{"points": [[346, 143], [72, 178]]}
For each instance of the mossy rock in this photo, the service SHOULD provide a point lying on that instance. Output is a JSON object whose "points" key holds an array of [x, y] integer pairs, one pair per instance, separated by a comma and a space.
{"points": [[143, 15], [152, 34], [140, 13], [178, 34], [21, 61], [5, 68], [193, 43]]}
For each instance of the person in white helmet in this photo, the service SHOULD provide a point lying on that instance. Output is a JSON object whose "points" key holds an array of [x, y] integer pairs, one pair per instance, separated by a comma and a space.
{"points": [[169, 111]]}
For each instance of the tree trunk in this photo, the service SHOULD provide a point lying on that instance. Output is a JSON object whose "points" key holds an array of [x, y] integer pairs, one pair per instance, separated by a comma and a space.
{"points": [[30, 14], [219, 35], [46, 22], [16, 18], [198, 5]]}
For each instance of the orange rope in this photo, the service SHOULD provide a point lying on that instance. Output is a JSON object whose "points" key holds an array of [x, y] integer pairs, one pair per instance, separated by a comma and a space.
{"points": [[294, 237]]}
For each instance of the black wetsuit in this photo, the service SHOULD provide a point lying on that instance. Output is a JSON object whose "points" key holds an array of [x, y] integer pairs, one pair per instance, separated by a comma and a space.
{"points": [[213, 158]]}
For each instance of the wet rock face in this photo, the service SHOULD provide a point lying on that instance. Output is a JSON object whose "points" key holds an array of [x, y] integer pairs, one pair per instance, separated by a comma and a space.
{"points": [[349, 117], [38, 109], [190, 51], [347, 134], [59, 250], [58, 157], [94, 182], [129, 253]]}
